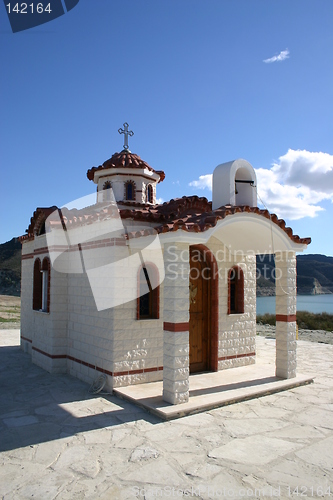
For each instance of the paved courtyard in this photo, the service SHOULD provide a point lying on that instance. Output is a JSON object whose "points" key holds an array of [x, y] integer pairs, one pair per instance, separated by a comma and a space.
{"points": [[59, 442]]}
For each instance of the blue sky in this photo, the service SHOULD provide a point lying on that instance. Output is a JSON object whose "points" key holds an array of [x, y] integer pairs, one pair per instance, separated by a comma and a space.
{"points": [[194, 81]]}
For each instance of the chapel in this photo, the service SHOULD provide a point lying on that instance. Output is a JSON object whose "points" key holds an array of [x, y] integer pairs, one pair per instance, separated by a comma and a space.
{"points": [[117, 284]]}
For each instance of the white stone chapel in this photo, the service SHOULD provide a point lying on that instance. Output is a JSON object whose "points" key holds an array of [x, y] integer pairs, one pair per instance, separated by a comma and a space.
{"points": [[145, 292]]}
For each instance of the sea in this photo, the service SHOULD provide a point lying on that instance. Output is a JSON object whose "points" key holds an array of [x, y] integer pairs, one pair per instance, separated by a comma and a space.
{"points": [[310, 303]]}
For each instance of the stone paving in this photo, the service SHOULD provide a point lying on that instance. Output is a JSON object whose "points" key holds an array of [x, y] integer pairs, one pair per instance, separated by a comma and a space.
{"points": [[59, 442]]}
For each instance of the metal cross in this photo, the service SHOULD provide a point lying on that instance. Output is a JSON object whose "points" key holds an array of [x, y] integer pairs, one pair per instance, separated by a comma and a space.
{"points": [[127, 133]]}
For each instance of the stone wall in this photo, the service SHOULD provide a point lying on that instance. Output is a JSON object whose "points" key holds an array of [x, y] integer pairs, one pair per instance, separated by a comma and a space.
{"points": [[43, 334], [76, 337], [236, 344], [27, 316]]}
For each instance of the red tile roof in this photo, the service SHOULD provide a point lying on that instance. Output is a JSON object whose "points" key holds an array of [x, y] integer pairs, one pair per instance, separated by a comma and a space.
{"points": [[194, 214], [36, 221], [125, 159], [190, 213]]}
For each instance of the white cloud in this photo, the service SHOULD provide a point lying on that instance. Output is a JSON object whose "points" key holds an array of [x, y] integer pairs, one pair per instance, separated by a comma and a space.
{"points": [[286, 201], [294, 186], [284, 54], [159, 201], [204, 182], [303, 168]]}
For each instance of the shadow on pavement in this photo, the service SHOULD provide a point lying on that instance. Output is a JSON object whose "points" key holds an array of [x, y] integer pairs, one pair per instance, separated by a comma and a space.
{"points": [[36, 406]]}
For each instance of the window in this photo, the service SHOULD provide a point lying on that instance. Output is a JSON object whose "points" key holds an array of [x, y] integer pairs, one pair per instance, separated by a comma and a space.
{"points": [[41, 285], [37, 292], [130, 190], [149, 195], [236, 291], [148, 300], [107, 191]]}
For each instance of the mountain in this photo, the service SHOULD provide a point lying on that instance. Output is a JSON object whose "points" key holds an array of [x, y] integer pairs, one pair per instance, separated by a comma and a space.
{"points": [[10, 268], [314, 272]]}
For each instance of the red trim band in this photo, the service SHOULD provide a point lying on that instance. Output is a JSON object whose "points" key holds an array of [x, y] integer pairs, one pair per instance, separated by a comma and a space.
{"points": [[97, 368], [128, 372], [52, 356], [176, 327], [286, 318], [87, 245], [236, 356], [25, 338], [136, 372], [131, 174]]}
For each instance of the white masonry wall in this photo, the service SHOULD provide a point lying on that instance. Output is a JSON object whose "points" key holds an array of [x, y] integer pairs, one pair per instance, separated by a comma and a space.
{"points": [[46, 331], [111, 340], [138, 346], [286, 303], [77, 337], [237, 332], [118, 182], [27, 316], [90, 338], [137, 343], [176, 311], [59, 318], [85, 333], [103, 338]]}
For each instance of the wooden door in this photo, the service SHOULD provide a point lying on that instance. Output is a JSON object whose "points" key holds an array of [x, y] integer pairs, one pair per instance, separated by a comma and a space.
{"points": [[200, 310]]}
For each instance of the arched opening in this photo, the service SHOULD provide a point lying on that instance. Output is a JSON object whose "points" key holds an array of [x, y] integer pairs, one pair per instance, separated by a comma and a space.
{"points": [[46, 281], [148, 292], [235, 291], [149, 195], [37, 286], [107, 191], [244, 185], [203, 325], [41, 285], [130, 190]]}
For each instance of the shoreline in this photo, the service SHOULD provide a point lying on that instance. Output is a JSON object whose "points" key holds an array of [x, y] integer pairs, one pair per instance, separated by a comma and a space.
{"points": [[318, 336]]}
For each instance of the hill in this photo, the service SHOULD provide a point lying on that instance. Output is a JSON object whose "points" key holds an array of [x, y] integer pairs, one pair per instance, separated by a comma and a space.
{"points": [[314, 272], [10, 268]]}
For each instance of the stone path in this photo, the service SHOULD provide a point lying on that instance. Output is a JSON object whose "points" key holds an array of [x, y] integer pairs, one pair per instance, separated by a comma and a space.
{"points": [[320, 336], [58, 442]]}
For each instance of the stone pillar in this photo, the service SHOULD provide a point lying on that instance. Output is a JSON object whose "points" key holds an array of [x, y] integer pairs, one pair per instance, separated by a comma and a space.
{"points": [[176, 323], [285, 283]]}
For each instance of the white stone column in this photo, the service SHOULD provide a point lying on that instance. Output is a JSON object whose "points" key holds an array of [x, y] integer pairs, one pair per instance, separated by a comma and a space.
{"points": [[285, 283], [176, 323]]}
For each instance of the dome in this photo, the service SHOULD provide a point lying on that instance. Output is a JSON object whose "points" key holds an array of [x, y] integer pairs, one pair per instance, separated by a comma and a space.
{"points": [[124, 159]]}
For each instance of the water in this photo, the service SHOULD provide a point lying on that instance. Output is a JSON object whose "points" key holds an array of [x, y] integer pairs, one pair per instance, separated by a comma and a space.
{"points": [[310, 303]]}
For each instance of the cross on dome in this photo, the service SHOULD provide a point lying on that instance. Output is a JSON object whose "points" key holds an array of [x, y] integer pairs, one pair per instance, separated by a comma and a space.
{"points": [[127, 133]]}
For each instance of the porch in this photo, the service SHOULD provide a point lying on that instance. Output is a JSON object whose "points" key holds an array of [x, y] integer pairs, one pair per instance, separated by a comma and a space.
{"points": [[215, 389]]}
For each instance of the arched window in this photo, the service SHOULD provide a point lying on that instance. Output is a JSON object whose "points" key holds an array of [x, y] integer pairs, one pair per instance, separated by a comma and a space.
{"points": [[107, 191], [46, 281], [236, 291], [129, 190], [37, 286], [149, 193], [149, 293], [41, 285]]}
